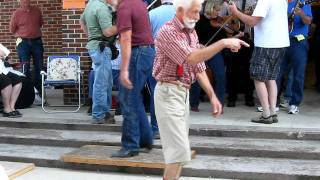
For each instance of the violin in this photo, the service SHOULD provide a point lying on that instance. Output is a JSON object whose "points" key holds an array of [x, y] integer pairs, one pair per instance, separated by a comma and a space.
{"points": [[230, 24]]}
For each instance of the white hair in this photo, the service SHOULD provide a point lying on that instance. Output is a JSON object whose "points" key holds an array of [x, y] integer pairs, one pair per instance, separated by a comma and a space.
{"points": [[185, 4]]}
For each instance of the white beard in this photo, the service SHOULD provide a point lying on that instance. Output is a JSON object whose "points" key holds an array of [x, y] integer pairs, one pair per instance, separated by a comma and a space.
{"points": [[188, 23]]}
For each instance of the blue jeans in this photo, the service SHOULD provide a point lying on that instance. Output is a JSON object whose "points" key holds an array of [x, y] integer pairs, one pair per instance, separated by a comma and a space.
{"points": [[136, 130], [216, 64], [151, 85], [27, 49], [102, 86], [116, 81], [195, 95], [295, 61], [90, 82]]}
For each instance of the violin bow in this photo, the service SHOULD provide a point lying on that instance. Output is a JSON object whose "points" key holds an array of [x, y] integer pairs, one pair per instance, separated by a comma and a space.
{"points": [[215, 34]]}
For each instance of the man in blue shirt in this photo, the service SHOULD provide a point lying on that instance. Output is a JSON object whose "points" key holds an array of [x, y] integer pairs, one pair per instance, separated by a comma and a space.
{"points": [[158, 17], [296, 56]]}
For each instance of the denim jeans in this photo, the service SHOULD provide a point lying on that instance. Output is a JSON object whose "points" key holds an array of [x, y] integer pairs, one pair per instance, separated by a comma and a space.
{"points": [[102, 86], [27, 49], [295, 60], [151, 85], [90, 82], [216, 64], [136, 129], [116, 81], [195, 95]]}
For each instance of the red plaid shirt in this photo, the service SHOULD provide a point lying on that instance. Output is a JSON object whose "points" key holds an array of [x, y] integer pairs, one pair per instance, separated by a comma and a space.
{"points": [[173, 45]]}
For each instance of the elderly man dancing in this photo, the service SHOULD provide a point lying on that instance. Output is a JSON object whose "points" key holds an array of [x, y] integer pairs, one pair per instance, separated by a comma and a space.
{"points": [[179, 63]]}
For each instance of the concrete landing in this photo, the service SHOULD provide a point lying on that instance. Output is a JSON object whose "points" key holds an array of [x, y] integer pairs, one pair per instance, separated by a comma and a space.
{"points": [[254, 168]]}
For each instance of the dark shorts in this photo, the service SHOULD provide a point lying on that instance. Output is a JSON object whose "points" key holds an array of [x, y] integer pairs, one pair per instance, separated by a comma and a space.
{"points": [[9, 79], [265, 63]]}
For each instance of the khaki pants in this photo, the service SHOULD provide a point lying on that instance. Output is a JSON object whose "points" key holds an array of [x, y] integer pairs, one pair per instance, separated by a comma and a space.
{"points": [[172, 112]]}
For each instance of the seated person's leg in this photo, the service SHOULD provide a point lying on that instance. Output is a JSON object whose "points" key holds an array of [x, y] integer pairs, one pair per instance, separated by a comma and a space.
{"points": [[16, 89], [6, 88]]}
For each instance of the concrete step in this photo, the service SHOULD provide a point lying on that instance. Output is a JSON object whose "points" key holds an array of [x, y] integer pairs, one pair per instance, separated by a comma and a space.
{"points": [[268, 132], [274, 148], [202, 166]]}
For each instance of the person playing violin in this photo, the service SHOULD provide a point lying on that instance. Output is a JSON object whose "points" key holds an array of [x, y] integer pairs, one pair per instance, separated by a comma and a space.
{"points": [[205, 32], [237, 64], [296, 57]]}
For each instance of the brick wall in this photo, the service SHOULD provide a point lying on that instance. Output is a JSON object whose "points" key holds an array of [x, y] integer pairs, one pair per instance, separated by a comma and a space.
{"points": [[74, 42], [61, 34]]}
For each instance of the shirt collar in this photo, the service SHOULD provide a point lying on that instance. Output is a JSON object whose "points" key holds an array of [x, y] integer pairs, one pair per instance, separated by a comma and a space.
{"points": [[180, 25]]}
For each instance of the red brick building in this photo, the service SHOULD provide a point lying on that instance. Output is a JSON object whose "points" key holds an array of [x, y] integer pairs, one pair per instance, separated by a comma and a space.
{"points": [[61, 34]]}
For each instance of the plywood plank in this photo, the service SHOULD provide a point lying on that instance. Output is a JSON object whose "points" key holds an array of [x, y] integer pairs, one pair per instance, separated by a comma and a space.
{"points": [[15, 169], [101, 155]]}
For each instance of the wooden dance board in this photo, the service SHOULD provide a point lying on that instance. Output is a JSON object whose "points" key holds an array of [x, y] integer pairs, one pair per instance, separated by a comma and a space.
{"points": [[15, 169], [101, 155]]}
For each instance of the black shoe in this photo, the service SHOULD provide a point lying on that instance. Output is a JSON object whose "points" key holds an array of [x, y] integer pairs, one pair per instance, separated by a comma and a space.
{"points": [[231, 104], [118, 112], [17, 113], [122, 153], [249, 103], [89, 112], [100, 121], [275, 118], [146, 149], [10, 114], [109, 119]]}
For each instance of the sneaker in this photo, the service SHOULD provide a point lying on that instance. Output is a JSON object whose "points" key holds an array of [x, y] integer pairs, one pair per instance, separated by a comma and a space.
{"points": [[261, 119], [284, 103], [259, 109], [293, 109]]}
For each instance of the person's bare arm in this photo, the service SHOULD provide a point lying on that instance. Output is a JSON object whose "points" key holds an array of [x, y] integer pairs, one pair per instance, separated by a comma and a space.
{"points": [[307, 20], [206, 86], [125, 44], [249, 20], [206, 53]]}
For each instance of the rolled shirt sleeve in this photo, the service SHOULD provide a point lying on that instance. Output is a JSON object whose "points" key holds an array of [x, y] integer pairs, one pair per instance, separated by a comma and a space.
{"points": [[104, 17]]}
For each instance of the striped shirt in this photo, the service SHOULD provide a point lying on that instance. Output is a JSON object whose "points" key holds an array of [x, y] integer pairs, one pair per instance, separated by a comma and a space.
{"points": [[173, 45]]}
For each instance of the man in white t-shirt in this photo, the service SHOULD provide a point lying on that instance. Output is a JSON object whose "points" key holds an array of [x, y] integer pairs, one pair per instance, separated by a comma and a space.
{"points": [[271, 37]]}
